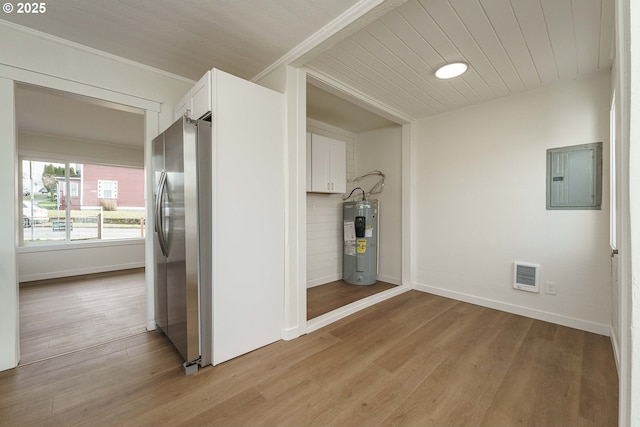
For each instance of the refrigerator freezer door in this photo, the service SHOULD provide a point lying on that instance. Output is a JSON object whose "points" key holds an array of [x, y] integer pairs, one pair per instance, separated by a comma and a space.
{"points": [[174, 226], [157, 158]]}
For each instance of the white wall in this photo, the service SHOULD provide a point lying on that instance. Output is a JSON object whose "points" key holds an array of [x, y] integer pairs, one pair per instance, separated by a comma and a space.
{"points": [[64, 260], [480, 204], [324, 217], [381, 149], [41, 60]]}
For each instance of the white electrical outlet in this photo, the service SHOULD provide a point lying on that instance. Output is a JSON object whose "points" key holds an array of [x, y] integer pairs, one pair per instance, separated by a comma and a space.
{"points": [[550, 288]]}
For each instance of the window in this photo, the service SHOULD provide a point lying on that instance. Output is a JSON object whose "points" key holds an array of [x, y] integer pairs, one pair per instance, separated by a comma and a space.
{"points": [[574, 177], [74, 189], [75, 202], [107, 189]]}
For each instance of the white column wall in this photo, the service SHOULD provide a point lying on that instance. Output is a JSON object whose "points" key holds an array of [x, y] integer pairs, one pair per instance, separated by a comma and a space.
{"points": [[9, 326]]}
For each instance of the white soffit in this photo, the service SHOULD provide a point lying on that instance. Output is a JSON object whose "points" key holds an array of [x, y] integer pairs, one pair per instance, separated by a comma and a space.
{"points": [[337, 111], [56, 113]]}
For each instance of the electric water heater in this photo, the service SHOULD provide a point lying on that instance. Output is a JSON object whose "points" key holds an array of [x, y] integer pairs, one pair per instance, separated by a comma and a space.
{"points": [[360, 258]]}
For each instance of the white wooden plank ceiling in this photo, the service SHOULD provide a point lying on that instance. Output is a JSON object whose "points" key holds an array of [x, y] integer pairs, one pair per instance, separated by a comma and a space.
{"points": [[187, 37], [511, 46]]}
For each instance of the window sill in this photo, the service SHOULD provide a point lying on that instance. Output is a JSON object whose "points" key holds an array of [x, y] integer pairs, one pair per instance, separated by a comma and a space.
{"points": [[66, 246]]}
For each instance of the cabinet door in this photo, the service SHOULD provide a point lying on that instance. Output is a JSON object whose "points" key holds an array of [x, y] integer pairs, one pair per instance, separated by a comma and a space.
{"points": [[338, 166], [201, 97], [328, 165], [320, 158], [181, 107]]}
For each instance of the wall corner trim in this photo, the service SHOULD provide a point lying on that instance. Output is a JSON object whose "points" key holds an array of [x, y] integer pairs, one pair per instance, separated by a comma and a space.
{"points": [[289, 334], [616, 350]]}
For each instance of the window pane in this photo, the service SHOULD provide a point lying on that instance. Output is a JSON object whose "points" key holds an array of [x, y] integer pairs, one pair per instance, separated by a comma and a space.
{"points": [[107, 189], [97, 209], [74, 189], [42, 217]]}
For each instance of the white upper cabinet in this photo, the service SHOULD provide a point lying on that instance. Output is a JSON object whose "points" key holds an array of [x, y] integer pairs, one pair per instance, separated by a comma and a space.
{"points": [[197, 100], [200, 96], [328, 165], [181, 107]]}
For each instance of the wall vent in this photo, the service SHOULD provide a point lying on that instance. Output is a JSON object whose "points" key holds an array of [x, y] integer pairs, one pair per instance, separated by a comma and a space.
{"points": [[525, 276]]}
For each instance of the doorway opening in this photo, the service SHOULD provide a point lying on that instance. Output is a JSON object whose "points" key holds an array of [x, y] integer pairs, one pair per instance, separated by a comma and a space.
{"points": [[82, 247], [365, 142]]}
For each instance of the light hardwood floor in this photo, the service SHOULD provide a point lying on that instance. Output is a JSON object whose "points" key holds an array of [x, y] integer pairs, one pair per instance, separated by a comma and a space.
{"points": [[325, 298], [415, 359], [64, 315]]}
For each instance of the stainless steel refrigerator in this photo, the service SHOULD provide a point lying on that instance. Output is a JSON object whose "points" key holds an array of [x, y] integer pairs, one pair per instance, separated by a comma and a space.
{"points": [[181, 159]]}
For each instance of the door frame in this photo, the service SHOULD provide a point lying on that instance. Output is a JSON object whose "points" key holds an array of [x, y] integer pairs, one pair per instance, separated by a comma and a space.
{"points": [[9, 77]]}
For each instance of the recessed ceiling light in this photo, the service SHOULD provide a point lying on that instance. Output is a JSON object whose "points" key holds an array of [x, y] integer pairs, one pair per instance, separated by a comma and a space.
{"points": [[452, 70]]}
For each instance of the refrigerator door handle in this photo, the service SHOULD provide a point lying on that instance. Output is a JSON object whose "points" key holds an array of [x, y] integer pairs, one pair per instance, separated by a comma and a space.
{"points": [[159, 226]]}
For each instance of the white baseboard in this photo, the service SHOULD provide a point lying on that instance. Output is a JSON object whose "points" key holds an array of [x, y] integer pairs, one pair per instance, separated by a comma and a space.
{"points": [[289, 334], [389, 279], [79, 272], [342, 312], [323, 280], [333, 278], [558, 319]]}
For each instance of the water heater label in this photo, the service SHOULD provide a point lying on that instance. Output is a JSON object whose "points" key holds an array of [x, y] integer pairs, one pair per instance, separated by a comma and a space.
{"points": [[349, 231], [349, 249], [361, 246], [368, 232]]}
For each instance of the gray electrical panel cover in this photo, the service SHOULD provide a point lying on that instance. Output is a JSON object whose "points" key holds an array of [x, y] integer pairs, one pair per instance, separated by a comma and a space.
{"points": [[574, 177]]}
